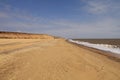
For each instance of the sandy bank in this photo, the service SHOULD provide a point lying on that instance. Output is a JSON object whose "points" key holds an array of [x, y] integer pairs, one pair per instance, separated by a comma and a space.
{"points": [[19, 35]]}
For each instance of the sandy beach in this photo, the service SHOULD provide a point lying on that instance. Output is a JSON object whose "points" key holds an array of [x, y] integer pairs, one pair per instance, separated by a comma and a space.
{"points": [[59, 39], [48, 59]]}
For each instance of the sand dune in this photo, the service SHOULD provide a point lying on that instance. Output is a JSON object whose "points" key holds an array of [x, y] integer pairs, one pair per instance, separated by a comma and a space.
{"points": [[18, 35], [53, 59]]}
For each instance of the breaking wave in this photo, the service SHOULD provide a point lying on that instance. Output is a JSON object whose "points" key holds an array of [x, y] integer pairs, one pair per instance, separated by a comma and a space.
{"points": [[104, 47]]}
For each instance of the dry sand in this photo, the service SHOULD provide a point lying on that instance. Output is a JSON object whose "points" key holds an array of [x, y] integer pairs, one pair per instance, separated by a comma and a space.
{"points": [[44, 59]]}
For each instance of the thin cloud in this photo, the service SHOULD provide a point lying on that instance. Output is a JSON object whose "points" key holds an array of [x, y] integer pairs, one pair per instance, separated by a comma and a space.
{"points": [[5, 7], [101, 6], [4, 15], [106, 27]]}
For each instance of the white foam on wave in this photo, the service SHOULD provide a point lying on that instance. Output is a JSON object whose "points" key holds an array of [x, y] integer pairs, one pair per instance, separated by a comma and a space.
{"points": [[104, 47]]}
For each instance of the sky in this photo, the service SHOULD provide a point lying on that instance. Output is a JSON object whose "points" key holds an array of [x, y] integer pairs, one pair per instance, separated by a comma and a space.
{"points": [[64, 18]]}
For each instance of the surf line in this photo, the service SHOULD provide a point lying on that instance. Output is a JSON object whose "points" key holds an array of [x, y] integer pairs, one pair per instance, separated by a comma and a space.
{"points": [[104, 47]]}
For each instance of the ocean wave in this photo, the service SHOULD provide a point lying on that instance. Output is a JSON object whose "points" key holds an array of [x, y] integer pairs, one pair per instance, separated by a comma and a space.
{"points": [[104, 47]]}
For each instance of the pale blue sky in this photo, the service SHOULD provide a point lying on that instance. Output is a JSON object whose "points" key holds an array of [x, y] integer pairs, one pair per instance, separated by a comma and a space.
{"points": [[65, 18]]}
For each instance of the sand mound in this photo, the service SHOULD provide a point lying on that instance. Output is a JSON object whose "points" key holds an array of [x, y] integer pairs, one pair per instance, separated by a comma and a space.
{"points": [[17, 35]]}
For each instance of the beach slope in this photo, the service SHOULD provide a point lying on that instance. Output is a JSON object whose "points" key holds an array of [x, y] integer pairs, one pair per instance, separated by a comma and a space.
{"points": [[53, 59]]}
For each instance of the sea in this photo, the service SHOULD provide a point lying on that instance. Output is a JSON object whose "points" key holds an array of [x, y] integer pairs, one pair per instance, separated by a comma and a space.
{"points": [[109, 45]]}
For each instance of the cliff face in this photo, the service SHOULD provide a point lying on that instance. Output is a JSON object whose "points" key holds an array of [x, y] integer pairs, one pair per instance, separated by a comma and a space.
{"points": [[18, 35]]}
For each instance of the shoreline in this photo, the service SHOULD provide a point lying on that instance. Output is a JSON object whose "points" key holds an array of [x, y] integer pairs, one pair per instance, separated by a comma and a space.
{"points": [[110, 55]]}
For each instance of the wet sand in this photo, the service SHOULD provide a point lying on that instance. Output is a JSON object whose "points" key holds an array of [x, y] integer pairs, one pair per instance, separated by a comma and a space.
{"points": [[55, 59], [108, 54]]}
